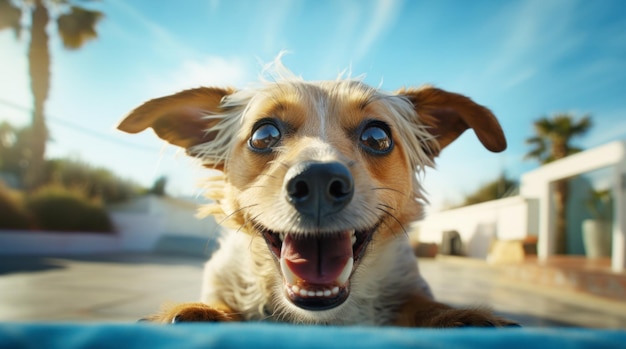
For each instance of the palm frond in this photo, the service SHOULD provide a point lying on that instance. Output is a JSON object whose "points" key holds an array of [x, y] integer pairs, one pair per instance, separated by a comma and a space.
{"points": [[538, 148], [543, 126], [10, 16], [583, 125], [573, 150], [78, 26], [553, 135]]}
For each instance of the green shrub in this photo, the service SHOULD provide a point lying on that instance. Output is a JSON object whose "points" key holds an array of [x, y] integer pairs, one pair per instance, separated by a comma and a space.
{"points": [[94, 182], [496, 189], [13, 214], [57, 208]]}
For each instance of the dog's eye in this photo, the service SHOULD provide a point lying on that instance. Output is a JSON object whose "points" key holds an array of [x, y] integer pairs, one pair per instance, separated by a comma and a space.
{"points": [[376, 138], [264, 137]]}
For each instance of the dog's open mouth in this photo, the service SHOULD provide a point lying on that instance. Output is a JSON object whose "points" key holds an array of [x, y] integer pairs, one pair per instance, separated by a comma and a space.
{"points": [[316, 268]]}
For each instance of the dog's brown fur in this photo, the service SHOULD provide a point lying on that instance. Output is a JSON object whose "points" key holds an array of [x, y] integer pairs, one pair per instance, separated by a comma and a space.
{"points": [[320, 122]]}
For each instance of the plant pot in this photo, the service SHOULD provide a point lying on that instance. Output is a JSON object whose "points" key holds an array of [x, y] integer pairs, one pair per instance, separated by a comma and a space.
{"points": [[597, 236]]}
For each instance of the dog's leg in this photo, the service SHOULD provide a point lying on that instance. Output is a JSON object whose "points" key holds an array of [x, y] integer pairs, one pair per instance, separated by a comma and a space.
{"points": [[419, 311], [193, 312]]}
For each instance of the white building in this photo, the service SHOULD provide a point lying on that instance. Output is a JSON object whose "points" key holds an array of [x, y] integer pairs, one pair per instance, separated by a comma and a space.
{"points": [[532, 212], [142, 225]]}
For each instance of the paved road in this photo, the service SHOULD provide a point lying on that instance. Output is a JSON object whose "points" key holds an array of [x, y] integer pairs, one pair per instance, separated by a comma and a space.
{"points": [[125, 287], [469, 282]]}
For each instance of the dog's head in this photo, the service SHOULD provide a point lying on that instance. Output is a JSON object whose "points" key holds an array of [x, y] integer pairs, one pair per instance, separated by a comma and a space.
{"points": [[323, 171]]}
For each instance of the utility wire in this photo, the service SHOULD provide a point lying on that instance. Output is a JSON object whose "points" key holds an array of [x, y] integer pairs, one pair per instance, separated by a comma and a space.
{"points": [[82, 129]]}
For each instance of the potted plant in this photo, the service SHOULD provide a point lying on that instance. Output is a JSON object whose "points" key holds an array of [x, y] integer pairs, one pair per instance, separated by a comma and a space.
{"points": [[597, 231]]}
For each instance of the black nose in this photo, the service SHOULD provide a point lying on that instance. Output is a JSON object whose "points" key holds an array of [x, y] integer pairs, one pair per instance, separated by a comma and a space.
{"points": [[317, 189]]}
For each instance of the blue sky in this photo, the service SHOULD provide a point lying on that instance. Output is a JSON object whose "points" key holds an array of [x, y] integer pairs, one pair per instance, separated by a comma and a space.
{"points": [[522, 59]]}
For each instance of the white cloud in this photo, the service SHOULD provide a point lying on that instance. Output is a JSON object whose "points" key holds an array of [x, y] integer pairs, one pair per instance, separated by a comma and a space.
{"points": [[274, 25], [163, 39], [384, 14], [355, 33], [209, 71], [214, 5], [520, 78], [535, 34]]}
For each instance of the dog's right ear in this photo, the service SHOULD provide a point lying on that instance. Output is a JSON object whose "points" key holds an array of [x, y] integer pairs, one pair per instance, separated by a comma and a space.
{"points": [[182, 119], [448, 115]]}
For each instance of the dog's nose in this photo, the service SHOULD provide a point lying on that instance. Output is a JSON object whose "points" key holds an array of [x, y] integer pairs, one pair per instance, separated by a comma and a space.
{"points": [[317, 189]]}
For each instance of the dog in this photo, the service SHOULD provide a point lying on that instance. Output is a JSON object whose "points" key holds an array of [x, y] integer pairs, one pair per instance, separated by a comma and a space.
{"points": [[320, 182]]}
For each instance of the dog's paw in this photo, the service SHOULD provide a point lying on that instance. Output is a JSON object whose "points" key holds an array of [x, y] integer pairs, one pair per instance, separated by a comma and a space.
{"points": [[201, 314], [470, 318], [191, 312]]}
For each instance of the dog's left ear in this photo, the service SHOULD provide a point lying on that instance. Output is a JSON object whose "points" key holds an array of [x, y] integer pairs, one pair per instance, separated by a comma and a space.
{"points": [[182, 119], [448, 115]]}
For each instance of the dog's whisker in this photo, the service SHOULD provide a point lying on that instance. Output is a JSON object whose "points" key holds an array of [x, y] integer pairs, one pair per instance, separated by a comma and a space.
{"points": [[256, 225], [267, 174], [251, 220], [206, 246], [389, 214], [380, 219], [387, 206], [228, 216], [257, 186], [316, 182], [281, 163], [390, 189]]}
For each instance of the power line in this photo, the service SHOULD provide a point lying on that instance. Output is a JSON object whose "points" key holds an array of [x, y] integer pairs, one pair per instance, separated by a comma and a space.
{"points": [[82, 129]]}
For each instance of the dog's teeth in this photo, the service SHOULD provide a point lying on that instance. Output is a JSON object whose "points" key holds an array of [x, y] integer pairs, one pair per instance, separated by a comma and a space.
{"points": [[282, 236], [290, 278], [345, 273], [302, 292], [353, 237]]}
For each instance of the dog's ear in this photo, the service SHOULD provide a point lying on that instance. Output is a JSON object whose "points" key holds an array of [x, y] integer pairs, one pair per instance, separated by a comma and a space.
{"points": [[448, 115], [180, 119]]}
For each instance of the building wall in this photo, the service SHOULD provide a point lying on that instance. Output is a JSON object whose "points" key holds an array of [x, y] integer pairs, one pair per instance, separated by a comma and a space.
{"points": [[139, 226], [479, 225], [532, 212]]}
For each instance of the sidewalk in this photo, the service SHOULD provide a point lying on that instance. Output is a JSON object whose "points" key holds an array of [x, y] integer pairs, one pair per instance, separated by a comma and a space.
{"points": [[125, 287], [466, 281], [109, 288]]}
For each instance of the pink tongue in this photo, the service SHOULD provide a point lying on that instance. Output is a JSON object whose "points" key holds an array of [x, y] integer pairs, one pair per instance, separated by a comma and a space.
{"points": [[317, 260]]}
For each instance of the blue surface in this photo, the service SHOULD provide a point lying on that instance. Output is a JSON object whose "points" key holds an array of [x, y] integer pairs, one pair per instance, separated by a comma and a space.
{"points": [[265, 335]]}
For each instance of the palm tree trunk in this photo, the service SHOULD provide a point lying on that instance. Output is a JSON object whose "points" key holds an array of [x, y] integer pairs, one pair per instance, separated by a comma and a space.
{"points": [[561, 195], [39, 69]]}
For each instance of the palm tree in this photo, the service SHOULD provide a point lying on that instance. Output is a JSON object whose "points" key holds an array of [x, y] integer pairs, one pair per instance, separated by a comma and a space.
{"points": [[552, 142], [496, 189], [75, 25]]}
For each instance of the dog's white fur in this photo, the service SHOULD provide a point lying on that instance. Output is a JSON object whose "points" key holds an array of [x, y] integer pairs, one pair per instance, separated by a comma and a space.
{"points": [[245, 102], [379, 286], [253, 286], [243, 275]]}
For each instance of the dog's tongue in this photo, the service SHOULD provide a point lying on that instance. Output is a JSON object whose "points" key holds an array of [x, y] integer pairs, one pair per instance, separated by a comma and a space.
{"points": [[315, 259]]}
